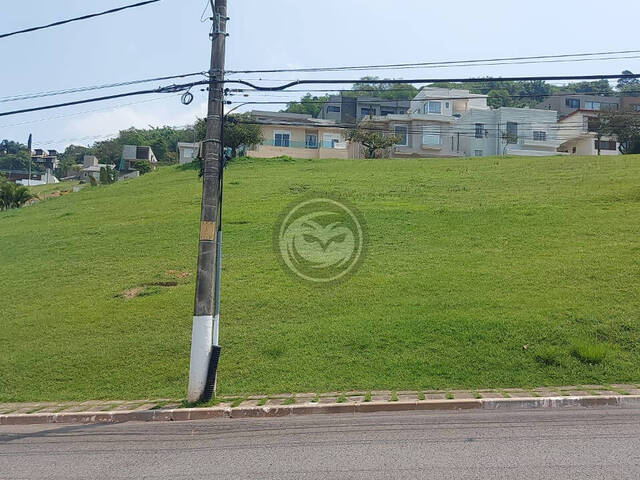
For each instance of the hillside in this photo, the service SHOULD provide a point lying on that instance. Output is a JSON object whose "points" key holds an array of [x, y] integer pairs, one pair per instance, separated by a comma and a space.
{"points": [[487, 272]]}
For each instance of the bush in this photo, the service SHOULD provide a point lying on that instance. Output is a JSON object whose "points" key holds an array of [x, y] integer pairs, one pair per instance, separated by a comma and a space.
{"points": [[142, 166], [549, 355], [12, 195], [587, 352], [92, 181]]}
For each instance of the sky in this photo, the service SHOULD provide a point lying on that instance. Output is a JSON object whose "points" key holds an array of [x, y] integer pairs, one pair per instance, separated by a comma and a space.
{"points": [[168, 38]]}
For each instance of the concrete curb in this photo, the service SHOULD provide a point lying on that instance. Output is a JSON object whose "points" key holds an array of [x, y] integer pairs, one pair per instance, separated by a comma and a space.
{"points": [[185, 414]]}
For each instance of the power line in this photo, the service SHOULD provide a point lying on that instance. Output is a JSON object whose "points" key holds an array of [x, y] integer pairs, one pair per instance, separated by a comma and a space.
{"points": [[83, 17], [187, 86], [169, 89], [433, 80], [433, 64], [28, 96]]}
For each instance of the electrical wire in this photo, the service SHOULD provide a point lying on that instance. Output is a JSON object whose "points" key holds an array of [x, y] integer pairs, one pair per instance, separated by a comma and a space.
{"points": [[431, 64], [28, 96], [83, 17]]}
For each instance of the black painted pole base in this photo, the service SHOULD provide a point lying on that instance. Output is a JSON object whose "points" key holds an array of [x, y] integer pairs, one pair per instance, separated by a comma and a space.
{"points": [[210, 386]]}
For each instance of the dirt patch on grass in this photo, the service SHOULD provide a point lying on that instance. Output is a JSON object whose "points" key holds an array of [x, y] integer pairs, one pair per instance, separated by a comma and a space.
{"points": [[160, 284], [178, 274], [132, 293]]}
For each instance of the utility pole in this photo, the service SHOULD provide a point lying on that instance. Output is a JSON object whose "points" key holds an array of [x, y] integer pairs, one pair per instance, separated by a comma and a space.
{"points": [[29, 147], [205, 350]]}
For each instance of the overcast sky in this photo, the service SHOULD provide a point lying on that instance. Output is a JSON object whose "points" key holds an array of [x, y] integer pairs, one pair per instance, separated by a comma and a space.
{"points": [[168, 38]]}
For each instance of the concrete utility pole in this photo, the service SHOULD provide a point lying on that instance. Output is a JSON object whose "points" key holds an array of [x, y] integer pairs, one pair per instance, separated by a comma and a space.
{"points": [[204, 342]]}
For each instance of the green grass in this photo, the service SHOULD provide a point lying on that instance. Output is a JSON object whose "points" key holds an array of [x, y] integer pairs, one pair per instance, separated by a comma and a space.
{"points": [[590, 352], [468, 260]]}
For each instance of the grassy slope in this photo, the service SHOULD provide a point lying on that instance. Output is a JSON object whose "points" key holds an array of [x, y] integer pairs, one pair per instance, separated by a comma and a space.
{"points": [[469, 260]]}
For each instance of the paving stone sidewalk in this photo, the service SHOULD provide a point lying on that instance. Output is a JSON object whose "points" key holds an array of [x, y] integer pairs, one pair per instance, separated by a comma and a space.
{"points": [[329, 398]]}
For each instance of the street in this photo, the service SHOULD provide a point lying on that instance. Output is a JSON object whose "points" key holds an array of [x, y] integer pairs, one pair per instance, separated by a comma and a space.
{"points": [[541, 444]]}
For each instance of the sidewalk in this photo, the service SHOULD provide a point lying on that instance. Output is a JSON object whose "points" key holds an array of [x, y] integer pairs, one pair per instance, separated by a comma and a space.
{"points": [[313, 403]]}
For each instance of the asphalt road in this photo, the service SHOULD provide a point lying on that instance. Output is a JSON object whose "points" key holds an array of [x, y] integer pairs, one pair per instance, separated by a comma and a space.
{"points": [[533, 444]]}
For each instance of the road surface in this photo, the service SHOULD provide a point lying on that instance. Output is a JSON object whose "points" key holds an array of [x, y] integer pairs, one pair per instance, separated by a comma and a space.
{"points": [[534, 444]]}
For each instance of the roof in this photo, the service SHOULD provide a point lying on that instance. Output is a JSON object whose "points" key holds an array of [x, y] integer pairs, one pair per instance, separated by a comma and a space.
{"points": [[285, 118], [439, 92], [580, 110]]}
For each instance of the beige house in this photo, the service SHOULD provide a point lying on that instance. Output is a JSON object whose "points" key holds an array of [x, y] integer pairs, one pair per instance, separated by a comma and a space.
{"points": [[298, 135], [578, 136], [91, 168]]}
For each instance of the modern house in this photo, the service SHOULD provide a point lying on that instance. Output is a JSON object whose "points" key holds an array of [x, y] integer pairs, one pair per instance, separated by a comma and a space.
{"points": [[91, 168], [47, 158], [566, 104], [349, 110], [298, 135], [508, 131], [578, 132], [448, 102], [187, 152], [133, 153], [429, 128]]}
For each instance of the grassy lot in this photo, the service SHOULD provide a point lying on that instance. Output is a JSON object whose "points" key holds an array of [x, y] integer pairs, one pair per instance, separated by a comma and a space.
{"points": [[52, 188], [470, 260]]}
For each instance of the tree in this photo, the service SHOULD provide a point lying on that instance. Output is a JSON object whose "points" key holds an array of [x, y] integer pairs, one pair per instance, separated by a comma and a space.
{"points": [[108, 175], [625, 126], [373, 140], [310, 105], [239, 132], [629, 86], [387, 91], [12, 195]]}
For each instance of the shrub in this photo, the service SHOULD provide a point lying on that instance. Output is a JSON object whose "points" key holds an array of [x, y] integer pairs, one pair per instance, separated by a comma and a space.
{"points": [[549, 355], [12, 195], [142, 166], [92, 181], [587, 352]]}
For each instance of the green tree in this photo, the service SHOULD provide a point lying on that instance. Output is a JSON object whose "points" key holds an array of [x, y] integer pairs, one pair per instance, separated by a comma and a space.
{"points": [[372, 139], [385, 90], [310, 105], [629, 86], [624, 126], [143, 166], [240, 132]]}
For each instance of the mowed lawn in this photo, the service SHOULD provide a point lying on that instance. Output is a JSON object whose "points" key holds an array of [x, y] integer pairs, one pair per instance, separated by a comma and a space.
{"points": [[480, 273]]}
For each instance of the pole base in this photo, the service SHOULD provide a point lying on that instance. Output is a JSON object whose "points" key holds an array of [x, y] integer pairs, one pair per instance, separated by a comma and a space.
{"points": [[212, 374]]}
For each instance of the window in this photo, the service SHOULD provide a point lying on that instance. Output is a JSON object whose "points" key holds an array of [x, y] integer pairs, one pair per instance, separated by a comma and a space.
{"points": [[606, 144], [402, 132], [635, 107], [431, 135], [592, 105], [593, 124], [188, 152], [281, 138], [333, 109], [311, 140], [364, 111], [478, 153], [446, 105], [572, 102], [512, 132], [540, 136], [479, 130], [433, 107], [329, 140], [384, 113]]}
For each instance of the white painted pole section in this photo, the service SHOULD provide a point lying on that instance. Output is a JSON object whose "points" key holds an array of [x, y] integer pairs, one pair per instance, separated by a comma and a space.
{"points": [[201, 337], [216, 307]]}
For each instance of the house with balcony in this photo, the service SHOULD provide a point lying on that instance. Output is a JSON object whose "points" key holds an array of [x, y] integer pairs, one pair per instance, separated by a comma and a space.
{"points": [[508, 131], [298, 135], [350, 110], [566, 104], [578, 132], [132, 154], [429, 129]]}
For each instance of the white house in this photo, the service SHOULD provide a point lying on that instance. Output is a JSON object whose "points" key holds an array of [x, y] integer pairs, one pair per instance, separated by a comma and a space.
{"points": [[578, 134], [187, 152], [509, 131]]}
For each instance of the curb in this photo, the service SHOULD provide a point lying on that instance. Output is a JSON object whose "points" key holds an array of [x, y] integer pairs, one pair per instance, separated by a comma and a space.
{"points": [[186, 414]]}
